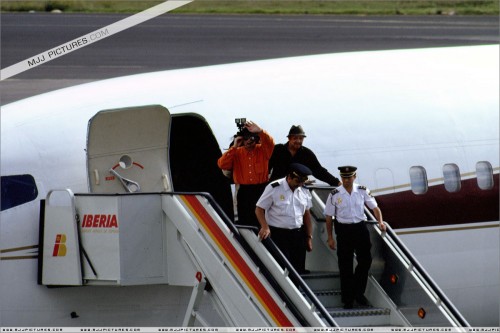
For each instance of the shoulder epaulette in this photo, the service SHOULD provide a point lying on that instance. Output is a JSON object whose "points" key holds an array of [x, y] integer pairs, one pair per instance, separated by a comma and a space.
{"points": [[360, 187], [275, 184], [334, 191]]}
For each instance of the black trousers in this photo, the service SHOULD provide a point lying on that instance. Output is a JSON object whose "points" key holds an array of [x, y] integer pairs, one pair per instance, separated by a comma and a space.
{"points": [[292, 242], [353, 239], [247, 197]]}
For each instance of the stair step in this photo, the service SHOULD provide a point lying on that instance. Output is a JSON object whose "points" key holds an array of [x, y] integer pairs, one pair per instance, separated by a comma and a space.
{"points": [[361, 316], [319, 275], [327, 292], [329, 298], [358, 311], [322, 280], [326, 286]]}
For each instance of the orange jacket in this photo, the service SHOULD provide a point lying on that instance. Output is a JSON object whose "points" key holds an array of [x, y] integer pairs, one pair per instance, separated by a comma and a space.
{"points": [[249, 167]]}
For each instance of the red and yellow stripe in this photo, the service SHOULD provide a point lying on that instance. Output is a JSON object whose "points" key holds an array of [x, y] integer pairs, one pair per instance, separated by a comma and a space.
{"points": [[237, 261]]}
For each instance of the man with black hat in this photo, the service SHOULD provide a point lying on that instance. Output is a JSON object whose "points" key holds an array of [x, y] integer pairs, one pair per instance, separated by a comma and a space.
{"points": [[346, 204], [294, 152], [248, 159], [283, 214]]}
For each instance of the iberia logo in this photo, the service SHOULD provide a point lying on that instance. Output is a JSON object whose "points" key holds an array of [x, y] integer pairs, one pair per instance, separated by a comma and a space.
{"points": [[60, 246], [99, 221]]}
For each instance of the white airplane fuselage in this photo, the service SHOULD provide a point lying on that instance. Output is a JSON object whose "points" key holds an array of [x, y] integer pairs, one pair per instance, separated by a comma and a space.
{"points": [[384, 112]]}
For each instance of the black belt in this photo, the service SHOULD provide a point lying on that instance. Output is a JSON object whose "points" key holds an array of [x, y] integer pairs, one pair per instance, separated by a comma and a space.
{"points": [[285, 229]]}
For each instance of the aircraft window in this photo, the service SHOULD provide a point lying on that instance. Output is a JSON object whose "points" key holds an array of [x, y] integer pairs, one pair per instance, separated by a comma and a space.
{"points": [[418, 179], [484, 173], [16, 190], [451, 174]]}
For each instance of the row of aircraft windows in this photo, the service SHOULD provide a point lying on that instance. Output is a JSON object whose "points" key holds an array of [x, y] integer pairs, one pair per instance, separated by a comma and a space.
{"points": [[451, 176], [19, 189]]}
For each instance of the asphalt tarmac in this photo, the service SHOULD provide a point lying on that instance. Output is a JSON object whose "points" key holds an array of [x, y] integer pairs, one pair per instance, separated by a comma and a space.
{"points": [[181, 41]]}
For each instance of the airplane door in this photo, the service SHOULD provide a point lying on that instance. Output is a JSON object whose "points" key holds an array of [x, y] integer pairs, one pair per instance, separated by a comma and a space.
{"points": [[127, 150]]}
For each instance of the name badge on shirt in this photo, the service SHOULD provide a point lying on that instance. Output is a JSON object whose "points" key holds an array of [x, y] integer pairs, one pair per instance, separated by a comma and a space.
{"points": [[282, 197], [339, 200]]}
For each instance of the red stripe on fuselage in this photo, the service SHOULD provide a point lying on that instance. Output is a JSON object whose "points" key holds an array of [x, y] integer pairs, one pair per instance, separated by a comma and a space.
{"points": [[439, 207]]}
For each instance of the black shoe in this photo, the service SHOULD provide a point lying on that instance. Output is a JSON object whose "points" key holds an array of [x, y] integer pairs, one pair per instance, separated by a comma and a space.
{"points": [[348, 305], [361, 300]]}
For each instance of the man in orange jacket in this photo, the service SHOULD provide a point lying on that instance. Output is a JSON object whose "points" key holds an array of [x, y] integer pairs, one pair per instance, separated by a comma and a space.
{"points": [[248, 159]]}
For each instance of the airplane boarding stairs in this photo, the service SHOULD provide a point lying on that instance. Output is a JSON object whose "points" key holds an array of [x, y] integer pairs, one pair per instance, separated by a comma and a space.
{"points": [[186, 240], [399, 290]]}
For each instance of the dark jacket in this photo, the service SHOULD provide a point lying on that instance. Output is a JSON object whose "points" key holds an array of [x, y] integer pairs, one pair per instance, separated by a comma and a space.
{"points": [[281, 159]]}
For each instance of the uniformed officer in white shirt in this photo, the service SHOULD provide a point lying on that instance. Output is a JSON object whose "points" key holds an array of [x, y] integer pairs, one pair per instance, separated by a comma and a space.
{"points": [[346, 204], [283, 213]]}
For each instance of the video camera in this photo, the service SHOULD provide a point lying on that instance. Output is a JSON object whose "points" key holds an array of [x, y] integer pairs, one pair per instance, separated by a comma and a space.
{"points": [[240, 123], [244, 132]]}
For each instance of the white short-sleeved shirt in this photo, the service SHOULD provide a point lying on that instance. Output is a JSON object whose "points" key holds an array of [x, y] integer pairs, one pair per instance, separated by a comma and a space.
{"points": [[349, 208], [284, 208]]}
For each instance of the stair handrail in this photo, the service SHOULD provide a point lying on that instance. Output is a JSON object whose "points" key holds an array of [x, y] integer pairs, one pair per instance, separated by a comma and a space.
{"points": [[270, 246], [414, 262], [270, 277], [283, 261], [422, 272]]}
